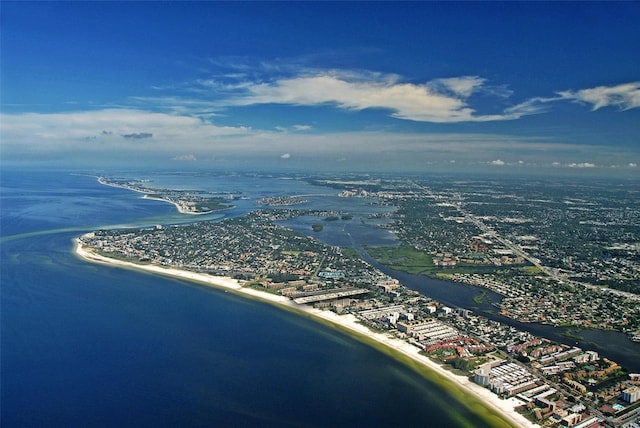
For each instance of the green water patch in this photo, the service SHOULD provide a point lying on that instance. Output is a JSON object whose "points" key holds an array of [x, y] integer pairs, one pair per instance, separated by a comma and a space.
{"points": [[41, 233], [480, 298], [476, 406], [573, 333]]}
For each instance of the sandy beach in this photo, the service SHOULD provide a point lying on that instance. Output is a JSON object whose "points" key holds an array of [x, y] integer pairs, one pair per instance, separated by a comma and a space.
{"points": [[348, 323], [181, 209]]}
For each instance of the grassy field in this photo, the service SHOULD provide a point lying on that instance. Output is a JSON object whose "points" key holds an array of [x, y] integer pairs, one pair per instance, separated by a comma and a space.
{"points": [[403, 258], [407, 259]]}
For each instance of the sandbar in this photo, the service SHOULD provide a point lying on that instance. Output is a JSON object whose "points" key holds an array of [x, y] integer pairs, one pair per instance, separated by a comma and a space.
{"points": [[505, 408]]}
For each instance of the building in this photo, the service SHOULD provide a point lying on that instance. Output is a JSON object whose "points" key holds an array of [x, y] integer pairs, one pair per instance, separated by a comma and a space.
{"points": [[587, 357], [328, 295], [631, 395], [481, 376], [446, 310], [509, 379]]}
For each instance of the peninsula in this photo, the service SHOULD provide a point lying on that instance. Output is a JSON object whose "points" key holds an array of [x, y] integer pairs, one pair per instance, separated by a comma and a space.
{"points": [[516, 377], [496, 411], [186, 201]]}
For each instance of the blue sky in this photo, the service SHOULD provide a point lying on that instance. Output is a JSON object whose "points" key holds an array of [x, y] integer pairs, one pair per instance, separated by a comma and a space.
{"points": [[357, 86]]}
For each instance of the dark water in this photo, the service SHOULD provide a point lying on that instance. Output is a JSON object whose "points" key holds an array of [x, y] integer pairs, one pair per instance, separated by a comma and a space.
{"points": [[90, 345]]}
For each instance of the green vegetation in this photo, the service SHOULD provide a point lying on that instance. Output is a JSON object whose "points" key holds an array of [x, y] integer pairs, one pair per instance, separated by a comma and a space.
{"points": [[283, 277], [332, 218], [259, 287], [291, 253], [480, 297], [350, 253], [317, 227], [573, 333], [211, 204], [404, 258], [531, 270]]}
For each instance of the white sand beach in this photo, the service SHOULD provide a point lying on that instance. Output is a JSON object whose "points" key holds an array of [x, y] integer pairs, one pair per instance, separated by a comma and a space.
{"points": [[146, 195], [347, 322], [182, 209]]}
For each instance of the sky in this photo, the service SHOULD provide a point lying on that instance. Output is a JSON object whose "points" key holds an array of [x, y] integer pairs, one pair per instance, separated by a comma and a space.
{"points": [[327, 86]]}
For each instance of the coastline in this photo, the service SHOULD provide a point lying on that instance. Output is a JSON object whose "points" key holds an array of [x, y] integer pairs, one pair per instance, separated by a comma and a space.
{"points": [[496, 411], [146, 195], [178, 206]]}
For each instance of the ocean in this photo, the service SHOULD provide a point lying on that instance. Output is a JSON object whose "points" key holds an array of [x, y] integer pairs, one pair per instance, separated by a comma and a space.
{"points": [[92, 345]]}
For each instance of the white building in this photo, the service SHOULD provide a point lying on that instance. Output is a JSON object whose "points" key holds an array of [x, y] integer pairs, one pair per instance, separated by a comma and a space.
{"points": [[631, 395]]}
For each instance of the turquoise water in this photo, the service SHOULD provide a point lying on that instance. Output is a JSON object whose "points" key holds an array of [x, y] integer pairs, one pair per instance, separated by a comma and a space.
{"points": [[91, 345]]}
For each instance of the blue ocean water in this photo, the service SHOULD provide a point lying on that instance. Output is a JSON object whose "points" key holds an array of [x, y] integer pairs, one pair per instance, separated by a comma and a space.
{"points": [[91, 345]]}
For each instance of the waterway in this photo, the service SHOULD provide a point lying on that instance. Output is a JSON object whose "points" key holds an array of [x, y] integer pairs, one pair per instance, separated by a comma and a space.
{"points": [[362, 231]]}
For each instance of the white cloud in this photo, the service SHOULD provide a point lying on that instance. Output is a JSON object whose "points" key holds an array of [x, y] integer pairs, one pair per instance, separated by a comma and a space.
{"points": [[120, 124], [96, 137], [184, 158], [442, 100], [295, 128], [625, 96], [528, 107], [581, 165], [462, 87], [632, 165], [104, 135], [353, 91]]}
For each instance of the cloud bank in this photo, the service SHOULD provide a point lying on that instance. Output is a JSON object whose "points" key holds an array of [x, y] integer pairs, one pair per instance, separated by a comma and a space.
{"points": [[97, 137]]}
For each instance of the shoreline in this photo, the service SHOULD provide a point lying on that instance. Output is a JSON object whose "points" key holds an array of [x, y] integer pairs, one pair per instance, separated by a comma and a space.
{"points": [[146, 195], [500, 412], [178, 206]]}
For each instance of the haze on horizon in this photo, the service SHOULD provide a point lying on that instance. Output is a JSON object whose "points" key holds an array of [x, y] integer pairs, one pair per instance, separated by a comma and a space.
{"points": [[327, 86]]}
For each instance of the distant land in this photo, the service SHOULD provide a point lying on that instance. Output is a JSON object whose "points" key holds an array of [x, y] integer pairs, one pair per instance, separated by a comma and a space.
{"points": [[187, 202]]}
